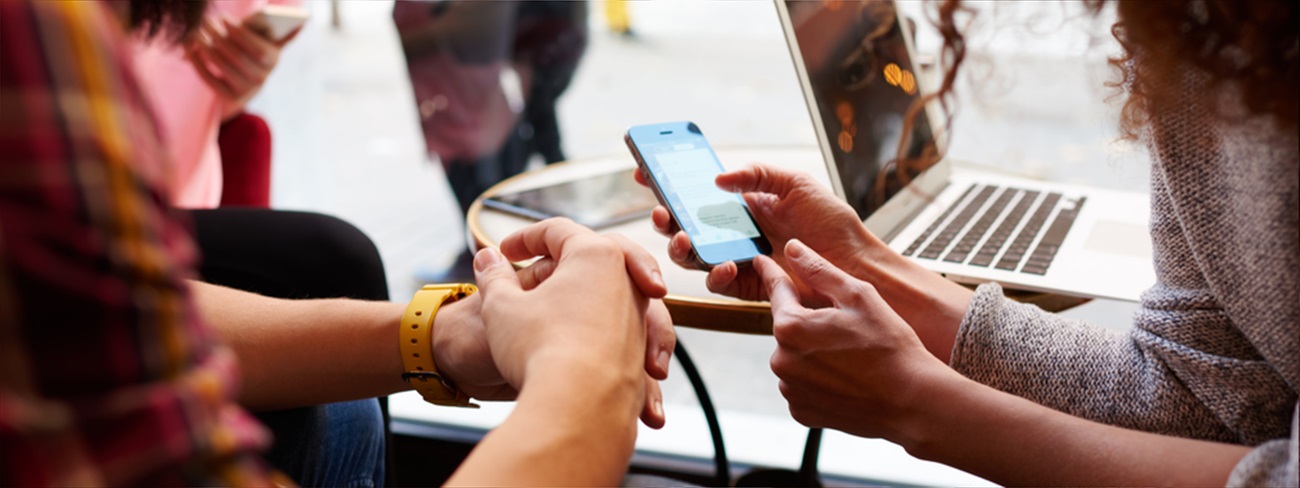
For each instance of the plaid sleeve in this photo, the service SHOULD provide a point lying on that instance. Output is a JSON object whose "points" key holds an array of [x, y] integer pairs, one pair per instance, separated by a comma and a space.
{"points": [[108, 375]]}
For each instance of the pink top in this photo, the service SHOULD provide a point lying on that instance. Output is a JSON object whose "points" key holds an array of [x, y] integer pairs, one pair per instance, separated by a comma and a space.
{"points": [[188, 112]]}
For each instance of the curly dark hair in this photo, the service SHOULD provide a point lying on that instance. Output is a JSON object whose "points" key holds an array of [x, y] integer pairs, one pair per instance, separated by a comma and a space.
{"points": [[1250, 43], [175, 20]]}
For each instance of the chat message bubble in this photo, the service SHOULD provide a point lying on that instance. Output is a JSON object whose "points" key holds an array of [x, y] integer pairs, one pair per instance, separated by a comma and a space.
{"points": [[720, 215]]}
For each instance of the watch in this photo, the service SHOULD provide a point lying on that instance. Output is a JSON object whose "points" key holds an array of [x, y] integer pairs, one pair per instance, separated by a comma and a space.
{"points": [[417, 344]]}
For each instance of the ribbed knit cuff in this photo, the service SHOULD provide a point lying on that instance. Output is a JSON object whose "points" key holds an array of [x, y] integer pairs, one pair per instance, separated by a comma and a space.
{"points": [[984, 309]]}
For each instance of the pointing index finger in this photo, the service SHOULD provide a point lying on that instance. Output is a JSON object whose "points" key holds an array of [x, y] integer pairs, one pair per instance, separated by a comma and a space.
{"points": [[759, 178]]}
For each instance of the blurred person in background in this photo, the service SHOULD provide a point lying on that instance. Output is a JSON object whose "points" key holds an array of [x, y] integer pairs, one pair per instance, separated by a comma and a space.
{"points": [[200, 83], [120, 369], [456, 52], [1202, 391], [219, 171], [197, 87]]}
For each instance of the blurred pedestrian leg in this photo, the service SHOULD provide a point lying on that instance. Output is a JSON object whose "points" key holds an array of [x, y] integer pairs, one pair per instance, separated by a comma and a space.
{"points": [[617, 18]]}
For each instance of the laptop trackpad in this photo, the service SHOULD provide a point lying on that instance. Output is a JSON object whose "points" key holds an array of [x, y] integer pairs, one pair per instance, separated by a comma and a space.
{"points": [[1119, 238]]}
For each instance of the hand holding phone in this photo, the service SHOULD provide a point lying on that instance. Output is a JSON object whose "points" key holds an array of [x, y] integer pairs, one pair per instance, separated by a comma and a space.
{"points": [[234, 58], [680, 166]]}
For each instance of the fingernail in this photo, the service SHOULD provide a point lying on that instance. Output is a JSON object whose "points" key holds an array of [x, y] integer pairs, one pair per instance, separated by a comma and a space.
{"points": [[659, 408], [658, 278], [662, 361], [795, 249], [486, 258]]}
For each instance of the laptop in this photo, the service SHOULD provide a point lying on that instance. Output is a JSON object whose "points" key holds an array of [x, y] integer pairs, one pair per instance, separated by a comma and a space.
{"points": [[855, 63]]}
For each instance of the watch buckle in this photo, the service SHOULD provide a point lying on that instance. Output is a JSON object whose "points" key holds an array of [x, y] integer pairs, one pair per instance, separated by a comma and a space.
{"points": [[426, 376]]}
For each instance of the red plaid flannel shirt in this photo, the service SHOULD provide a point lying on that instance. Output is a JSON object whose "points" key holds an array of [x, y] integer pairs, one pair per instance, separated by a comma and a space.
{"points": [[108, 375]]}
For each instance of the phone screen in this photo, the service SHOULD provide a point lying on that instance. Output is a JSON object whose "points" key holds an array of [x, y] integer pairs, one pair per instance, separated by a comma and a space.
{"points": [[682, 166]]}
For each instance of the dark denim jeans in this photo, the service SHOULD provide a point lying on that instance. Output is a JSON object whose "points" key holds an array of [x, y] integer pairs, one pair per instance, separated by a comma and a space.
{"points": [[339, 444]]}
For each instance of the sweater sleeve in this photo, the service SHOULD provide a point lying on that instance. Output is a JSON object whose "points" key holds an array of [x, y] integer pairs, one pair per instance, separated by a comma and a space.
{"points": [[1078, 368], [1158, 377]]}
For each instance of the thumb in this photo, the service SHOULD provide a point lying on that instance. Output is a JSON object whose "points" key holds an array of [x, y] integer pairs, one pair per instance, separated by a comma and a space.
{"points": [[494, 273], [780, 290], [820, 275]]}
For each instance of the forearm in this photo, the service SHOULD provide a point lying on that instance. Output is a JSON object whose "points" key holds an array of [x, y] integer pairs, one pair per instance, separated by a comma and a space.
{"points": [[304, 352], [1013, 441], [559, 436]]}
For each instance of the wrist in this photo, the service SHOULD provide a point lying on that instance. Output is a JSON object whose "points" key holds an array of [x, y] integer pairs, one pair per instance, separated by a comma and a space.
{"points": [[415, 339], [448, 337], [586, 401], [605, 371], [602, 381], [931, 304], [926, 407]]}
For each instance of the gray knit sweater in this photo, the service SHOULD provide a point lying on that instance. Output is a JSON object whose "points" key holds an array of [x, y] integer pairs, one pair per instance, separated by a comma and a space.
{"points": [[1214, 352]]}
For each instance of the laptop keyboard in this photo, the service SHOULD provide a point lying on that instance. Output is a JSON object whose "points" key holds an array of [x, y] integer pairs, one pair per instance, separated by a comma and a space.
{"points": [[1016, 252], [935, 225], [959, 237], [949, 233], [992, 246], [967, 243]]}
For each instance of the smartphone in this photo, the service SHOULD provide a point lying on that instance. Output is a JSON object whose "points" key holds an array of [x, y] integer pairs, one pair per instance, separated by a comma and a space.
{"points": [[681, 167], [276, 22]]}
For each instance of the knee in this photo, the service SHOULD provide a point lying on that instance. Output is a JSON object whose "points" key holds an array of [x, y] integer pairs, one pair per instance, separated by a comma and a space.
{"points": [[348, 252]]}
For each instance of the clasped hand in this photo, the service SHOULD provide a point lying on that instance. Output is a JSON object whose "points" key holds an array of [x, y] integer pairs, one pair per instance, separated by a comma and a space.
{"points": [[588, 310]]}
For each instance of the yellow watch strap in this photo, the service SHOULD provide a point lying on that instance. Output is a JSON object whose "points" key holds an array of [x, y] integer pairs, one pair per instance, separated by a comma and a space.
{"points": [[417, 344]]}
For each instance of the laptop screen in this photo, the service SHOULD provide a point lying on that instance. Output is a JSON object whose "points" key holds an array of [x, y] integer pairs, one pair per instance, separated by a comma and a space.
{"points": [[863, 82]]}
